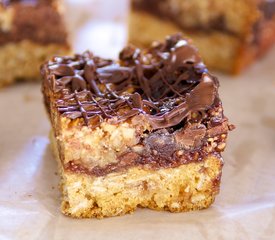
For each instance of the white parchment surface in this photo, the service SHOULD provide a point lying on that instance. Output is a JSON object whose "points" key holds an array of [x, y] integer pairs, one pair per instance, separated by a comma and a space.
{"points": [[244, 209]]}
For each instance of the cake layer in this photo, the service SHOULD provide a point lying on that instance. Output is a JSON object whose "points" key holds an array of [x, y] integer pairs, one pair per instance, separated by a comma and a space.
{"points": [[39, 21], [22, 60], [186, 188]]}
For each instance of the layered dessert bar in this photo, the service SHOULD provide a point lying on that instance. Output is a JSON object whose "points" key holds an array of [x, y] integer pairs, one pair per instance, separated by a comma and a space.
{"points": [[31, 31], [229, 34], [146, 130]]}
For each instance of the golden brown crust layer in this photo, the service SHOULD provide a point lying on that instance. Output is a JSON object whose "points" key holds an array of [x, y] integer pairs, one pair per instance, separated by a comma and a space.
{"points": [[188, 187]]}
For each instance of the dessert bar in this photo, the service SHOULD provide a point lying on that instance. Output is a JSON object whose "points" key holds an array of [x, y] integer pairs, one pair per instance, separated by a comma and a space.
{"points": [[146, 130], [230, 35], [31, 31]]}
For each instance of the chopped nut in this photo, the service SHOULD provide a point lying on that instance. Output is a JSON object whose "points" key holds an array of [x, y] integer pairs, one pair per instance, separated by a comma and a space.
{"points": [[210, 140], [223, 136], [197, 198], [155, 152], [179, 153], [221, 146], [214, 144], [187, 189], [201, 182], [175, 205], [138, 148], [209, 149]]}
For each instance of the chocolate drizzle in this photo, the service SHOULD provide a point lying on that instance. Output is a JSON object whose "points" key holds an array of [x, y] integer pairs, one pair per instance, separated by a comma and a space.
{"points": [[164, 83]]}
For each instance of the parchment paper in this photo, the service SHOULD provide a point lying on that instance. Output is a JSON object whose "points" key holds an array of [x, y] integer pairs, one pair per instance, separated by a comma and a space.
{"points": [[29, 196]]}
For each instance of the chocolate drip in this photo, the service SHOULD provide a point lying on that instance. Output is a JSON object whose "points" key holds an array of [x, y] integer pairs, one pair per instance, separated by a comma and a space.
{"points": [[164, 83]]}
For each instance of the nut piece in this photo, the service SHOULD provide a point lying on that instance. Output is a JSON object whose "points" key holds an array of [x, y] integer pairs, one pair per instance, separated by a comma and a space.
{"points": [[197, 198], [221, 146], [138, 148]]}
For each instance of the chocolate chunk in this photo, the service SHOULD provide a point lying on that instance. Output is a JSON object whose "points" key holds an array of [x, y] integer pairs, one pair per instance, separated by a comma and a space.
{"points": [[191, 136], [62, 70], [217, 130], [161, 143]]}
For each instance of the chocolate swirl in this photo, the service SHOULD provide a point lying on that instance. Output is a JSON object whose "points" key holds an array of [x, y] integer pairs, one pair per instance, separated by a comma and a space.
{"points": [[164, 83]]}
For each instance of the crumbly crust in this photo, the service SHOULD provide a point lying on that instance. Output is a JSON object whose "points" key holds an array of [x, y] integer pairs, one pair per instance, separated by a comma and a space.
{"points": [[186, 188]]}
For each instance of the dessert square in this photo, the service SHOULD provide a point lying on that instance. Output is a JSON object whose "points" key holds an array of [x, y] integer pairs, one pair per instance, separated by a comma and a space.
{"points": [[30, 33], [146, 130], [230, 35]]}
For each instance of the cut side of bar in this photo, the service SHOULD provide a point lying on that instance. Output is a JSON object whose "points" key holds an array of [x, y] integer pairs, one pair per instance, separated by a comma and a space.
{"points": [[230, 35], [30, 33], [146, 130]]}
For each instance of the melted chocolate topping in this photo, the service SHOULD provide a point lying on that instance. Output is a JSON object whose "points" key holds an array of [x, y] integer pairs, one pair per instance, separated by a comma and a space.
{"points": [[165, 83]]}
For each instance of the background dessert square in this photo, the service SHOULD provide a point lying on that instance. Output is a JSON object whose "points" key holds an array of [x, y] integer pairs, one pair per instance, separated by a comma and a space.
{"points": [[229, 34], [30, 33]]}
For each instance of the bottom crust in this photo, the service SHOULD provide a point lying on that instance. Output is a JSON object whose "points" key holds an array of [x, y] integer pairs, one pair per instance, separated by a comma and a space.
{"points": [[22, 61], [219, 50], [188, 187]]}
